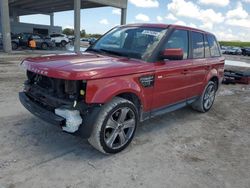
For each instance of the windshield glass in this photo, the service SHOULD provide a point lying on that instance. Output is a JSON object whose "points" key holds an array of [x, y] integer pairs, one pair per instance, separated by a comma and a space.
{"points": [[132, 42]]}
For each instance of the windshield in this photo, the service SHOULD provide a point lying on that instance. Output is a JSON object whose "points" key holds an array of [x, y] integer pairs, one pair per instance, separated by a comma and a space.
{"points": [[132, 42]]}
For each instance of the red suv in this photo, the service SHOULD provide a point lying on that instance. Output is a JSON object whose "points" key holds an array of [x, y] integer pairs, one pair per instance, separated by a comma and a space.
{"points": [[132, 73]]}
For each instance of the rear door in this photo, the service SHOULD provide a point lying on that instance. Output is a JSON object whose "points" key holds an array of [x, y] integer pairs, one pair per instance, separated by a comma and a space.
{"points": [[170, 77], [199, 69]]}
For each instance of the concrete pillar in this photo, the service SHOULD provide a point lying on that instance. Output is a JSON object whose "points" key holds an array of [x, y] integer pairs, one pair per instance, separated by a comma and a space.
{"points": [[5, 21], [123, 16], [51, 19], [77, 15]]}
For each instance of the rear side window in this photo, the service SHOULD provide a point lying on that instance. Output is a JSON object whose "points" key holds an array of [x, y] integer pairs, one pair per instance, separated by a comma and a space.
{"points": [[214, 49], [179, 39], [207, 49], [198, 45]]}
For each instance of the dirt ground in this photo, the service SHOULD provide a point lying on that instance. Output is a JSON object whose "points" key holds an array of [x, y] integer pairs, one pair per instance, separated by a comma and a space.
{"points": [[182, 149]]}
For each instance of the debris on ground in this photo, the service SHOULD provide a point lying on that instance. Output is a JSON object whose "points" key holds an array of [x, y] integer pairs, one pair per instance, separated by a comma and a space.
{"points": [[233, 77]]}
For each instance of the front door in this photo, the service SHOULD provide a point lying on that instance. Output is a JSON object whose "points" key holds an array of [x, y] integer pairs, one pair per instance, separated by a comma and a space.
{"points": [[171, 75]]}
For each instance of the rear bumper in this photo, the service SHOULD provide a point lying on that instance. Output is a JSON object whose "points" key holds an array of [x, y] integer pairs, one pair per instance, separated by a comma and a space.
{"points": [[39, 111]]}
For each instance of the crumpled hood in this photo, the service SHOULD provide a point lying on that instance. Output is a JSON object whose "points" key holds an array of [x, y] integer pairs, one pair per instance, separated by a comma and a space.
{"points": [[84, 66]]}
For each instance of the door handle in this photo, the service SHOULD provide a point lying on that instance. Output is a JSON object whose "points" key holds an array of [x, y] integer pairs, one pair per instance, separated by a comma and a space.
{"points": [[207, 67], [185, 71]]}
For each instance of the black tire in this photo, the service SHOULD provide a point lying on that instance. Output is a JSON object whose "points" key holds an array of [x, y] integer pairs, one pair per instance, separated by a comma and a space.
{"points": [[104, 136], [44, 46], [14, 45], [63, 43], [201, 103]]}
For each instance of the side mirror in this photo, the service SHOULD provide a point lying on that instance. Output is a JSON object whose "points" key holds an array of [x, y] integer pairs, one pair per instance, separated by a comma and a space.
{"points": [[172, 54]]}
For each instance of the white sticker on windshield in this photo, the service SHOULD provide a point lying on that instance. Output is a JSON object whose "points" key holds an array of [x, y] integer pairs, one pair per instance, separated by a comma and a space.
{"points": [[152, 33]]}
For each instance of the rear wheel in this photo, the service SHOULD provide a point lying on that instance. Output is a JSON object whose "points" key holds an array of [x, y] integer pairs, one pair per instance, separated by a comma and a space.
{"points": [[206, 100], [63, 43], [115, 126]]}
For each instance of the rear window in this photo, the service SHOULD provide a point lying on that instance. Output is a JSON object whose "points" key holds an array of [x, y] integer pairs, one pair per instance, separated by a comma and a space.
{"points": [[198, 45], [214, 49]]}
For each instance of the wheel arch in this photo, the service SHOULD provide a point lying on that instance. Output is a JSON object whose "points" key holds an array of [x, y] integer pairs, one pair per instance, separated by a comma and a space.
{"points": [[215, 79], [213, 75], [129, 90], [132, 97]]}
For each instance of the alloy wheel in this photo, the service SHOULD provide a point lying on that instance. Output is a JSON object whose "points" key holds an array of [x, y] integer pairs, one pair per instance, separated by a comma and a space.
{"points": [[119, 128], [209, 97]]}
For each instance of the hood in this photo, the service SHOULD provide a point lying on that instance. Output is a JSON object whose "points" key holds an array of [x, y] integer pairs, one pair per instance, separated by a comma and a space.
{"points": [[84, 66]]}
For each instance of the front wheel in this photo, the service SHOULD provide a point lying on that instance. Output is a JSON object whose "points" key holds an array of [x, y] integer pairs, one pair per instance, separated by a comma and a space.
{"points": [[206, 100], [14, 45], [44, 46], [115, 126]]}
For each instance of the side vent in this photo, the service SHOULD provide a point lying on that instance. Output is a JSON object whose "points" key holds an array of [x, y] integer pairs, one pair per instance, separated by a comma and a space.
{"points": [[147, 81]]}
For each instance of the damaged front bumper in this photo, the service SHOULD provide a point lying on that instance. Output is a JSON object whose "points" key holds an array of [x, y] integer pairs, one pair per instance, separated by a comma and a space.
{"points": [[84, 129], [70, 120], [39, 111]]}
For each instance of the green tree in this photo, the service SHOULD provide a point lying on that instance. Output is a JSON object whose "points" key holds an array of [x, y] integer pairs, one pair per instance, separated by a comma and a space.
{"points": [[68, 31], [83, 33]]}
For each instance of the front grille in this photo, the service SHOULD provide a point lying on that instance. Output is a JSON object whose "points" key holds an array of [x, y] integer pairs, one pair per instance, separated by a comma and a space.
{"points": [[40, 85]]}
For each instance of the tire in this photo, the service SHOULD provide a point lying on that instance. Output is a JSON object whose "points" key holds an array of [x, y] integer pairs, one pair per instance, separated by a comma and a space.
{"points": [[44, 46], [14, 45], [63, 43], [206, 100], [109, 136]]}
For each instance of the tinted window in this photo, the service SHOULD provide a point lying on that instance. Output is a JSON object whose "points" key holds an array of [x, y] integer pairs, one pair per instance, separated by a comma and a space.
{"points": [[179, 39], [197, 45], [213, 46]]}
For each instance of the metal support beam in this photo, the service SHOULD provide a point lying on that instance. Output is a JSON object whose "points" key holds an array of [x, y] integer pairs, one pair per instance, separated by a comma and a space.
{"points": [[15, 16], [51, 19], [5, 20], [123, 16], [77, 15]]}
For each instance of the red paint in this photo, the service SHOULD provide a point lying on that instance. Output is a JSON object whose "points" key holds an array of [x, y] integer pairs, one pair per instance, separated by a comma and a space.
{"points": [[109, 76]]}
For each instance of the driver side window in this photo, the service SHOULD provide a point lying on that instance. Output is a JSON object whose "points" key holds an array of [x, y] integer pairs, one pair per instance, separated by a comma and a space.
{"points": [[178, 39]]}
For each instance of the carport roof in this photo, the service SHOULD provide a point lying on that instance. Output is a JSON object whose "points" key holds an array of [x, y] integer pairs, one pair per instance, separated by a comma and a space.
{"points": [[27, 7]]}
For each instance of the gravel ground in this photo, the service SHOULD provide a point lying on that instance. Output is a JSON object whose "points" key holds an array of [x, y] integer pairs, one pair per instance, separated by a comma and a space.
{"points": [[180, 149]]}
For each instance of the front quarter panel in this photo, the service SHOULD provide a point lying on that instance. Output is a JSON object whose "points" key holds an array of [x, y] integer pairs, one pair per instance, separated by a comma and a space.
{"points": [[101, 91]]}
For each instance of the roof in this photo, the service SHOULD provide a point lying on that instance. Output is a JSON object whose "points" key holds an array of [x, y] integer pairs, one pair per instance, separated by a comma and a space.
{"points": [[26, 7], [164, 26]]}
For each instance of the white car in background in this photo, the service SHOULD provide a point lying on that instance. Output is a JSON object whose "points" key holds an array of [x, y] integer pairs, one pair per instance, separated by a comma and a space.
{"points": [[84, 42], [59, 39]]}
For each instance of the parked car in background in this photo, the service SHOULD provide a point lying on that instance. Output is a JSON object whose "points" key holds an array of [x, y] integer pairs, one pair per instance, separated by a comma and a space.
{"points": [[84, 42], [131, 74], [92, 40], [234, 51], [246, 51], [224, 49], [42, 42], [61, 39], [14, 41]]}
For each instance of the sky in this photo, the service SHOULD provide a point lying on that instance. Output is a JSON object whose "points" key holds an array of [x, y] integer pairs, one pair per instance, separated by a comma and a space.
{"points": [[227, 19]]}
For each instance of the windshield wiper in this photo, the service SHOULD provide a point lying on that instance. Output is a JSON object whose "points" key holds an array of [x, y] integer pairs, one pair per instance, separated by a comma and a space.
{"points": [[92, 50], [112, 52]]}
